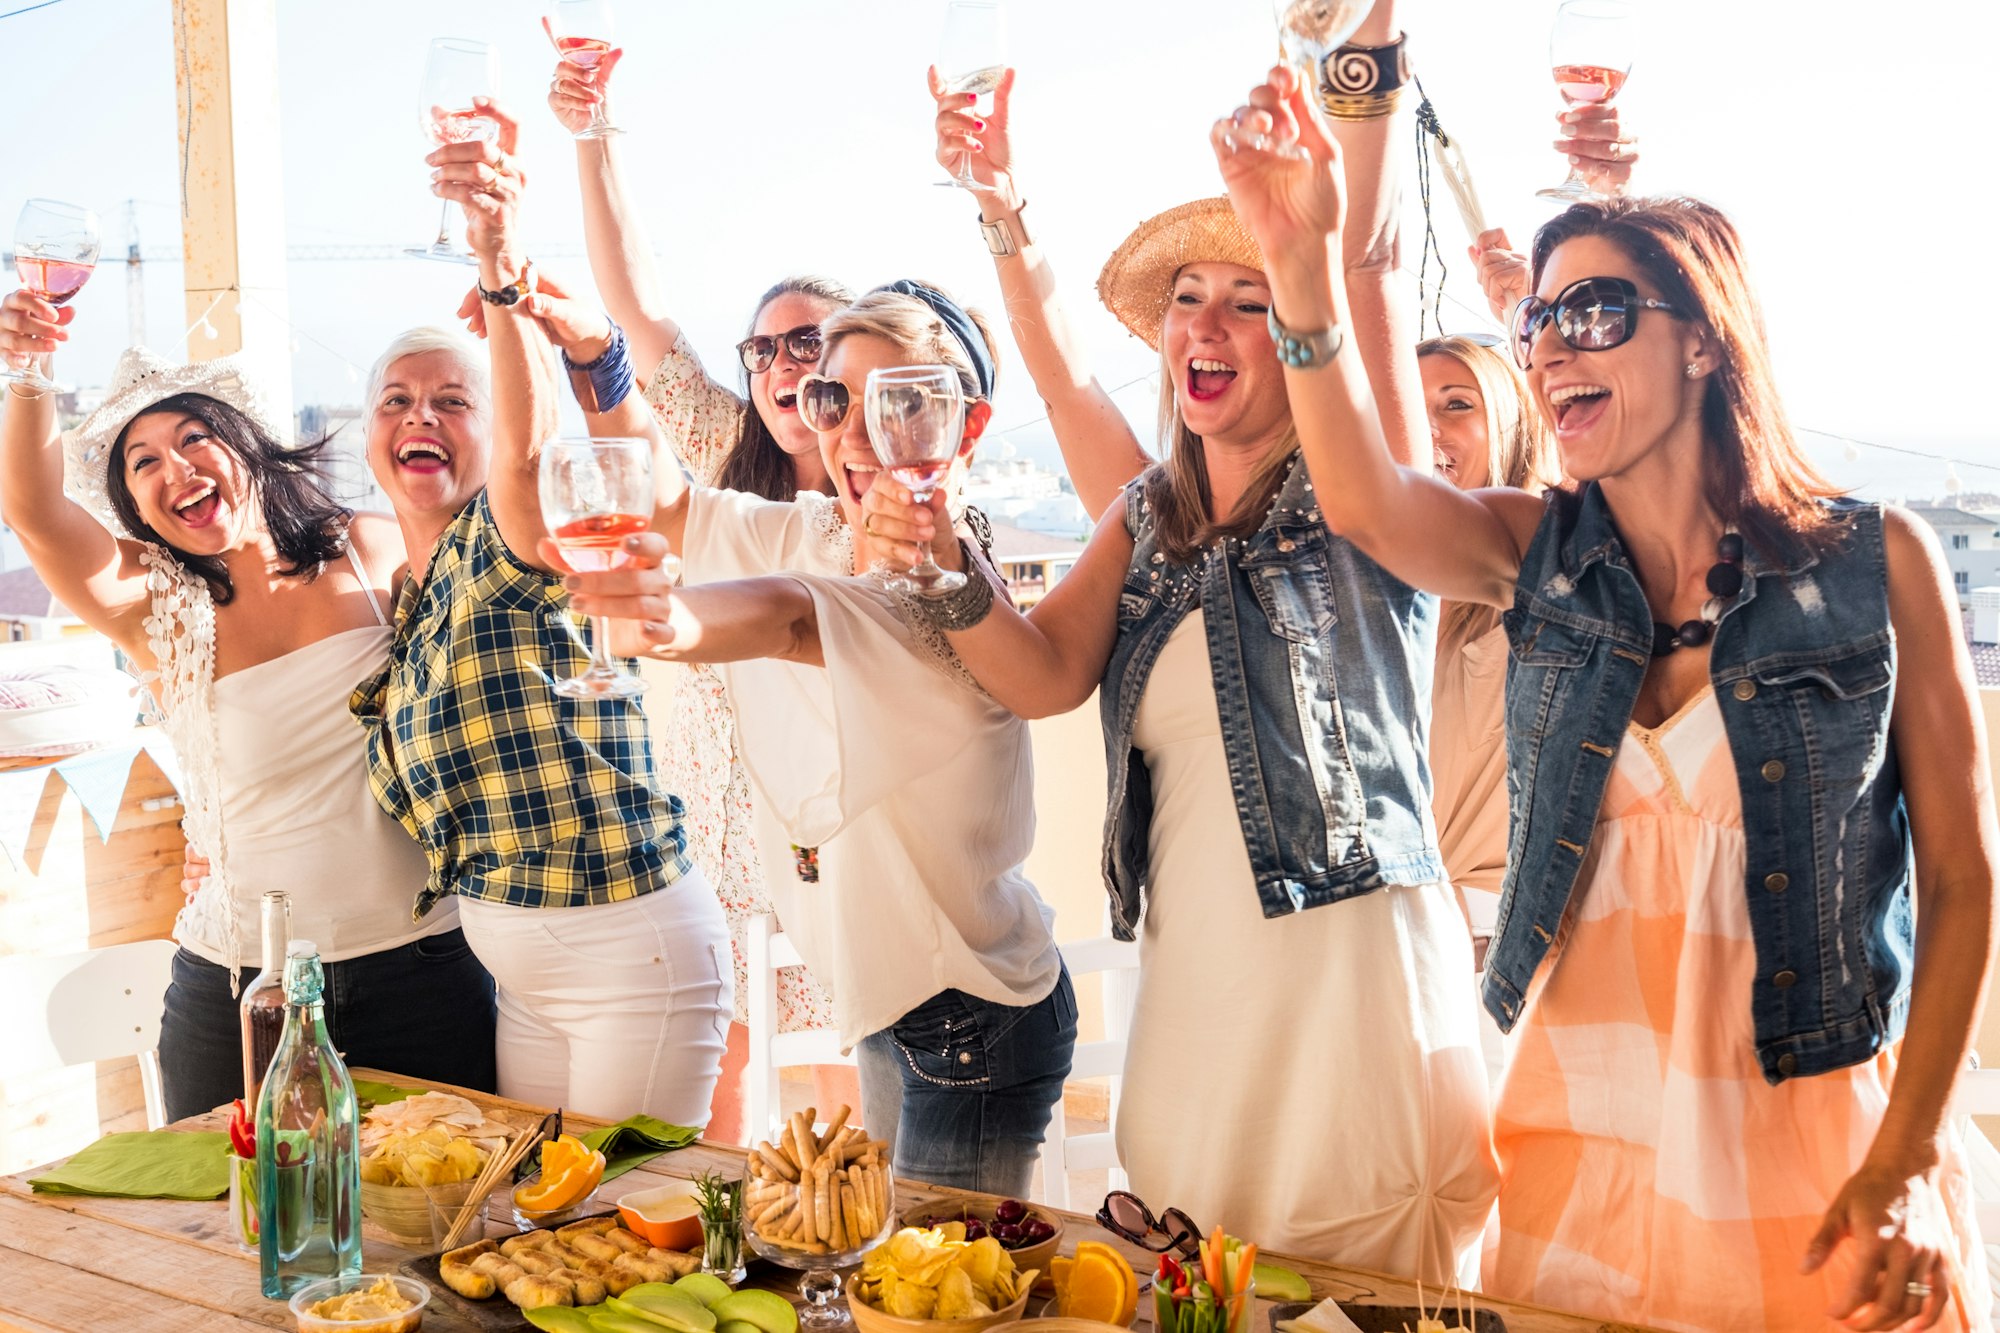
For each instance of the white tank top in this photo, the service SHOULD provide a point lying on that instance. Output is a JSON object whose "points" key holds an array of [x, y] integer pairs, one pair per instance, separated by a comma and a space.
{"points": [[300, 817]]}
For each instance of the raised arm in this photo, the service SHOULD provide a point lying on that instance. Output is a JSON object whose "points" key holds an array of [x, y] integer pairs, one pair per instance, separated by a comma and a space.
{"points": [[1097, 444], [731, 621], [1293, 204], [1037, 665], [83, 564]]}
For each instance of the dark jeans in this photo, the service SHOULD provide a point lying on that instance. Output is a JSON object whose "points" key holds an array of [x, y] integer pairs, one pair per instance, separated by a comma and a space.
{"points": [[425, 1009], [978, 1081]]}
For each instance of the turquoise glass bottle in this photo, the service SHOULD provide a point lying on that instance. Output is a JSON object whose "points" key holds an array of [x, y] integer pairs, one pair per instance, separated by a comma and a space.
{"points": [[308, 1145]]}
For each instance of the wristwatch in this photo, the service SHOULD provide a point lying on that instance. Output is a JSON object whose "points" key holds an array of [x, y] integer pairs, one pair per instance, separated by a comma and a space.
{"points": [[1000, 237], [514, 291]]}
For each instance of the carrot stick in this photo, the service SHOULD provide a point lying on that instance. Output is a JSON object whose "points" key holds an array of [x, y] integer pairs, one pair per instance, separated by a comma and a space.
{"points": [[1211, 1260]]}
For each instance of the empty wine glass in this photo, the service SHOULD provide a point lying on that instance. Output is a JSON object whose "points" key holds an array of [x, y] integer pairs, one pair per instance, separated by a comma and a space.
{"points": [[1590, 49], [595, 493], [1309, 31], [55, 252], [584, 34], [972, 58], [915, 416], [455, 72]]}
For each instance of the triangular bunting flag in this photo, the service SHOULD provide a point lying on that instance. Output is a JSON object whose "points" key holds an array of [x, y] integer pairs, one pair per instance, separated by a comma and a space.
{"points": [[20, 798], [98, 779]]}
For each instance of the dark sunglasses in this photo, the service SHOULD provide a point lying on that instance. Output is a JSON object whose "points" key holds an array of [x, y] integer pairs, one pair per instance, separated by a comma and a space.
{"points": [[1126, 1215], [758, 351], [1591, 314], [823, 403]]}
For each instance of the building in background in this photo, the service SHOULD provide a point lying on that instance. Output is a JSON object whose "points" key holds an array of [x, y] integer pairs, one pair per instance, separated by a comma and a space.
{"points": [[1032, 562], [1970, 533], [29, 612]]}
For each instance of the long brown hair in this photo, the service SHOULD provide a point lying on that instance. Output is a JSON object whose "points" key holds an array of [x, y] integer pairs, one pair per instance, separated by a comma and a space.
{"points": [[1520, 452], [757, 463], [1177, 486], [1755, 476]]}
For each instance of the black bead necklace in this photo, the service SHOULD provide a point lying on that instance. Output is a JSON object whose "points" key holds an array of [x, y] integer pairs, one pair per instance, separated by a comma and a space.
{"points": [[1725, 580]]}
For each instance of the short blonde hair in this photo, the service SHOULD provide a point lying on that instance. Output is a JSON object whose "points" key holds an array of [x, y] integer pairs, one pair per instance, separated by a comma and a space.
{"points": [[915, 329], [433, 338]]}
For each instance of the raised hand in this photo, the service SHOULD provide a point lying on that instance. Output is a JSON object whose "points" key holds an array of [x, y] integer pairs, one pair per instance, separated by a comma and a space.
{"points": [[577, 327], [895, 528], [963, 135], [31, 327], [637, 597], [1503, 272], [575, 92], [486, 180], [1282, 168], [1595, 142]]}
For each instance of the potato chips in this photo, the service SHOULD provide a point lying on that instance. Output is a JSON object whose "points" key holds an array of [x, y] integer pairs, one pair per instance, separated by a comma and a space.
{"points": [[938, 1274]]}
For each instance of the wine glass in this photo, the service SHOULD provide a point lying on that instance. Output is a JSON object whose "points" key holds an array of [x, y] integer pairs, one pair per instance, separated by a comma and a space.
{"points": [[915, 417], [583, 32], [55, 252], [595, 493], [1310, 31], [455, 72], [1590, 49], [972, 58], [819, 1283]]}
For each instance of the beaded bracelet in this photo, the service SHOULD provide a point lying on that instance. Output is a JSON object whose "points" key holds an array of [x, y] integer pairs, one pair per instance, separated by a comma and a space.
{"points": [[964, 606], [602, 384]]}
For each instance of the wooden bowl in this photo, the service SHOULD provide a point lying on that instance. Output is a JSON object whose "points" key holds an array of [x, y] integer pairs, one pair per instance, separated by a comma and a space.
{"points": [[868, 1319], [1034, 1256]]}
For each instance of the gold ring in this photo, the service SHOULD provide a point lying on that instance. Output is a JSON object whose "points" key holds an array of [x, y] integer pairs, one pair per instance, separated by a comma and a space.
{"points": [[868, 524]]}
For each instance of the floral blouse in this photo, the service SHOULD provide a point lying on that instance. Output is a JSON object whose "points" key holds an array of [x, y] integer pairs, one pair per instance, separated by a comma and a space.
{"points": [[697, 753]]}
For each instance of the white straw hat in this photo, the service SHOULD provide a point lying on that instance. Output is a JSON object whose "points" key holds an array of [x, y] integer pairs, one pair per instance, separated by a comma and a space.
{"points": [[141, 380]]}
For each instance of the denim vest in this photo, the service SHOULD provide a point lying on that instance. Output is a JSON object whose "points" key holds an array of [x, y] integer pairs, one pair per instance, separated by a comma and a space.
{"points": [[1803, 665], [1322, 671]]}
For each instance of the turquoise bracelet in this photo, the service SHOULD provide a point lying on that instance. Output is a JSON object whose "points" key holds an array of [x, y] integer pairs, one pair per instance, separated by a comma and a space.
{"points": [[1305, 351]]}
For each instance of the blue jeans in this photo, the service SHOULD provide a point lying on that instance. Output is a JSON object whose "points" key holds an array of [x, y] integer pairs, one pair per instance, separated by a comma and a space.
{"points": [[424, 1009], [963, 1087]]}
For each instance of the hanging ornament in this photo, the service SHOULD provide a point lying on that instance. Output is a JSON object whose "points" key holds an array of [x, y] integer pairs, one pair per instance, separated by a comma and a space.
{"points": [[1852, 452], [1953, 483]]}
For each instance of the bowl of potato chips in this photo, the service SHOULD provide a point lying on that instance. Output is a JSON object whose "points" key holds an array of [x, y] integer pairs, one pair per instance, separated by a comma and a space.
{"points": [[933, 1280], [425, 1148]]}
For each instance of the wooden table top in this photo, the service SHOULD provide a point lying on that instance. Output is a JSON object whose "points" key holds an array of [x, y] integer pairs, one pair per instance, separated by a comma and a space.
{"points": [[75, 1262]]}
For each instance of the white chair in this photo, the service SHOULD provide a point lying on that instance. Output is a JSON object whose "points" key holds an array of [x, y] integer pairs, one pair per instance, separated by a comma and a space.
{"points": [[765, 950], [78, 1008], [1117, 962]]}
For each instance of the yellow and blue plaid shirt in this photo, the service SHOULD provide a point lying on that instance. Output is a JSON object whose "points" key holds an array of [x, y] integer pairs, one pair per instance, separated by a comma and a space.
{"points": [[517, 794]]}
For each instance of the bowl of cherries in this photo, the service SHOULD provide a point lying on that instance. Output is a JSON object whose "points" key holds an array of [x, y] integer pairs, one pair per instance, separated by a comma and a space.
{"points": [[1029, 1234]]}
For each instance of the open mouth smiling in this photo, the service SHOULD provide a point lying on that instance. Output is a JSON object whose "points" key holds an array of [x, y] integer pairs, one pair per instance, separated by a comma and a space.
{"points": [[1208, 378], [197, 509], [1575, 406], [420, 453]]}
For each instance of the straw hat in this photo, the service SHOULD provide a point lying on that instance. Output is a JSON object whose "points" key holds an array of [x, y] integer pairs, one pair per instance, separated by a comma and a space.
{"points": [[1139, 277], [141, 380]]}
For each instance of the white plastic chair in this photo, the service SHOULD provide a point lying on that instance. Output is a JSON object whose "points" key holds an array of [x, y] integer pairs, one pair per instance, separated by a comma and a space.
{"points": [[1117, 961], [78, 1008], [765, 950]]}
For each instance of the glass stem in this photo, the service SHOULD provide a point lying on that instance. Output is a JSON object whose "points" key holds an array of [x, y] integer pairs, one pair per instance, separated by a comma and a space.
{"points": [[444, 227], [600, 647]]}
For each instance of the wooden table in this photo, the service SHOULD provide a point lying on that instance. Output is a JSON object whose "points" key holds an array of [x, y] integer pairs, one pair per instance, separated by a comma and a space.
{"points": [[73, 1262]]}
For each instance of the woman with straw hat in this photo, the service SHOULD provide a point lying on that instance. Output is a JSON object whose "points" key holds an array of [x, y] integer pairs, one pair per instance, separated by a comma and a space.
{"points": [[217, 559], [1263, 687]]}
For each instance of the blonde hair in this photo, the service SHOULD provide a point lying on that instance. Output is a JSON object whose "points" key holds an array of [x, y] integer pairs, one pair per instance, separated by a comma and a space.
{"points": [[916, 331], [1177, 486]]}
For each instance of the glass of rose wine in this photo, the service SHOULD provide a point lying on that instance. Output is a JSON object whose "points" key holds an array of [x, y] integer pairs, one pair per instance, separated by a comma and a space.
{"points": [[583, 33], [1591, 48], [455, 72], [55, 252], [595, 493], [972, 58], [915, 417]]}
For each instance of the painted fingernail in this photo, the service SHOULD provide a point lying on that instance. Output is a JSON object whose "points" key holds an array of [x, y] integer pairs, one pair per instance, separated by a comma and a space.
{"points": [[656, 629], [978, 124], [970, 98], [570, 583], [632, 543]]}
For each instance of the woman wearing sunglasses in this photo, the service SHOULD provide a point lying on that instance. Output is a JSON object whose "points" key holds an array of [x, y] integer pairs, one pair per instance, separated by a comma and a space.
{"points": [[1263, 688], [1749, 907], [753, 442], [894, 797]]}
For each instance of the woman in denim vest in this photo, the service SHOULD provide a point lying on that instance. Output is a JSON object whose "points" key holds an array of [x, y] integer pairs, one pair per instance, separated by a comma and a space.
{"points": [[1258, 679], [1742, 731]]}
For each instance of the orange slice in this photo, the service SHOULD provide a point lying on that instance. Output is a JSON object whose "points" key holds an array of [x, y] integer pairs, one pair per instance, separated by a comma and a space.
{"points": [[1100, 1287], [1129, 1304], [569, 1172]]}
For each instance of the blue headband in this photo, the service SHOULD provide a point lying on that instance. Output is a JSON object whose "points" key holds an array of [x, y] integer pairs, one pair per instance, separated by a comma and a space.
{"points": [[960, 324]]}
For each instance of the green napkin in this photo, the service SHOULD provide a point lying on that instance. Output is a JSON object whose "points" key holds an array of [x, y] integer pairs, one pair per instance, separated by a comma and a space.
{"points": [[635, 1141], [154, 1164], [380, 1094]]}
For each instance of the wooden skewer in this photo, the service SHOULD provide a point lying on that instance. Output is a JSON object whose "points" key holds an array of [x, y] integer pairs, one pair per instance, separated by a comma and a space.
{"points": [[497, 1166]]}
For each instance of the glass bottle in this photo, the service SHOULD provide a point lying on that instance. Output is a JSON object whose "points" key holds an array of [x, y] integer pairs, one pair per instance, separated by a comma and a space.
{"points": [[263, 1007], [308, 1145]]}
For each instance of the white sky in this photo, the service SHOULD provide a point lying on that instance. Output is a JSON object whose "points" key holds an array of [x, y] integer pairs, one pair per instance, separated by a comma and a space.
{"points": [[1852, 143]]}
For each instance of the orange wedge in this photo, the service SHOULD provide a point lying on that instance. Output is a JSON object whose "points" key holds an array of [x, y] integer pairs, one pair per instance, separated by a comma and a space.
{"points": [[569, 1172], [1129, 1305], [1100, 1285]]}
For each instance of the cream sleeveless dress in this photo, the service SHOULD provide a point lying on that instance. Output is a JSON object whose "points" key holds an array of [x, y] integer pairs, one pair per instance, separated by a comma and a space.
{"points": [[1312, 1082]]}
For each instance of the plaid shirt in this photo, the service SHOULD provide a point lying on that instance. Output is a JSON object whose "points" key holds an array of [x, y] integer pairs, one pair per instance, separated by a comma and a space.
{"points": [[517, 794]]}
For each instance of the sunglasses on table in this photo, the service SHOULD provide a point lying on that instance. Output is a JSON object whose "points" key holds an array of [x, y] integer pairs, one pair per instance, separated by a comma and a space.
{"points": [[758, 351], [1126, 1216], [1591, 314]]}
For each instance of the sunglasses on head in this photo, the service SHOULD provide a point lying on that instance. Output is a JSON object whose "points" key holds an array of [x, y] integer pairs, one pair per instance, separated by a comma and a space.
{"points": [[823, 403], [1591, 314], [758, 351], [1126, 1215]]}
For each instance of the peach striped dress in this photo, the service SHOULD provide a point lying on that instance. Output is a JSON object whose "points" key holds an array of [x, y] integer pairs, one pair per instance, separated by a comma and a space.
{"points": [[1648, 1173]]}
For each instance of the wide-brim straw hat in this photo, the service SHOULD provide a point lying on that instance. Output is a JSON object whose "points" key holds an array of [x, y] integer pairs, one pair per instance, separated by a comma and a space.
{"points": [[142, 380], [1138, 279]]}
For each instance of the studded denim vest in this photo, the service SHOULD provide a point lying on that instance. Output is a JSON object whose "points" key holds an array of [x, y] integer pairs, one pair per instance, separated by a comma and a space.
{"points": [[1322, 671], [1803, 664]]}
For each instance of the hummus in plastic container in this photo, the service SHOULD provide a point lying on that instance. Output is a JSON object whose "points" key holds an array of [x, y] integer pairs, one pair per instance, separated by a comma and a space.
{"points": [[364, 1303]]}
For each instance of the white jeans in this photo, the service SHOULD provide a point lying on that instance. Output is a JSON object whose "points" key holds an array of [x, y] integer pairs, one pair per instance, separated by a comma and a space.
{"points": [[614, 1009]]}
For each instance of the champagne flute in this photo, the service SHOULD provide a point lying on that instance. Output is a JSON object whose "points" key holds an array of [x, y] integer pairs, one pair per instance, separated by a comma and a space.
{"points": [[583, 32], [972, 58], [1590, 49], [455, 72], [55, 252], [595, 493], [915, 416]]}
